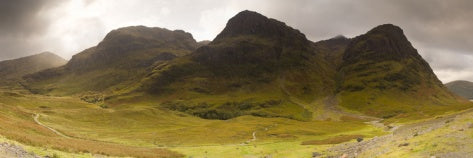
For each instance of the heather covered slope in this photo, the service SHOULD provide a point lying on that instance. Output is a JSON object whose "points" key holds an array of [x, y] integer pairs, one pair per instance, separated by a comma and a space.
{"points": [[461, 88], [121, 59], [383, 75], [16, 68]]}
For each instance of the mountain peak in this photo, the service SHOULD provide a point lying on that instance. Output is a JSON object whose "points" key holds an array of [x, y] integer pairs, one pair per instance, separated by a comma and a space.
{"points": [[383, 48], [385, 41], [142, 36], [253, 23], [387, 28], [338, 37], [462, 88], [134, 41], [249, 13], [46, 53], [459, 81]]}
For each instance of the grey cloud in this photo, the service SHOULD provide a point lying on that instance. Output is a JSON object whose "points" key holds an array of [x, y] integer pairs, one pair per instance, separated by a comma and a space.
{"points": [[19, 21], [438, 23], [440, 29], [445, 60], [23, 17]]}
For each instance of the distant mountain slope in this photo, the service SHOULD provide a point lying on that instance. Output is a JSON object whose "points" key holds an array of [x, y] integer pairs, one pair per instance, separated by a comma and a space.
{"points": [[383, 75], [120, 60], [461, 88], [16, 68]]}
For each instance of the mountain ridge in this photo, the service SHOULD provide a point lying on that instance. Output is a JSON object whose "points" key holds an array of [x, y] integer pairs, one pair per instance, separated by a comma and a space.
{"points": [[259, 66], [14, 69], [119, 60], [462, 88]]}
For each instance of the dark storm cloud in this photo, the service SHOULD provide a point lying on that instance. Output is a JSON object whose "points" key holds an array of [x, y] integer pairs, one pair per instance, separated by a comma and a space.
{"points": [[23, 17], [19, 20]]}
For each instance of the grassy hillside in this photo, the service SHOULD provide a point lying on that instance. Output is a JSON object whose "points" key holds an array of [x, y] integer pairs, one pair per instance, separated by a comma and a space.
{"points": [[12, 70], [17, 123], [383, 75], [121, 59], [461, 88]]}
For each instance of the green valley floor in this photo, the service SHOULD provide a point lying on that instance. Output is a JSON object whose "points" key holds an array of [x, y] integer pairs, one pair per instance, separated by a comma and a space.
{"points": [[68, 127]]}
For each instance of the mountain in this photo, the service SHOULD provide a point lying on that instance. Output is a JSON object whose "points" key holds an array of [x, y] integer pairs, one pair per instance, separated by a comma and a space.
{"points": [[16, 68], [250, 68], [383, 75], [260, 66], [461, 88], [118, 61], [256, 66]]}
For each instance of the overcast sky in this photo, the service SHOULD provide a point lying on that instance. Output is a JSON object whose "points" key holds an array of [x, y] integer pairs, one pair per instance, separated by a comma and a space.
{"points": [[441, 30]]}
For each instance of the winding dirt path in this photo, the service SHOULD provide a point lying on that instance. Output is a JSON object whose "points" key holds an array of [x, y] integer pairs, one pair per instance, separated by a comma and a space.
{"points": [[254, 136], [36, 119]]}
